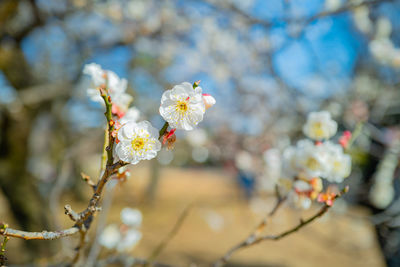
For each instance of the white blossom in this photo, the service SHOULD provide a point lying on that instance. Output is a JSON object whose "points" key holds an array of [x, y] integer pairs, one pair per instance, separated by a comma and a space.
{"points": [[320, 126], [110, 237], [182, 106], [116, 87], [132, 114], [137, 141], [289, 165], [197, 137], [208, 100], [341, 162], [129, 240], [131, 217], [299, 201], [273, 165], [312, 160]]}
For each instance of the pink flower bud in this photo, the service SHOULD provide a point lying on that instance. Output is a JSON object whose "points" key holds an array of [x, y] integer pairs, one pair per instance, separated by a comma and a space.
{"points": [[209, 101]]}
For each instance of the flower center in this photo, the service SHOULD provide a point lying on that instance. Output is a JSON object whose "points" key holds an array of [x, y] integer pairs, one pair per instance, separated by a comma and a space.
{"points": [[182, 106], [317, 129], [138, 143], [312, 164], [337, 166]]}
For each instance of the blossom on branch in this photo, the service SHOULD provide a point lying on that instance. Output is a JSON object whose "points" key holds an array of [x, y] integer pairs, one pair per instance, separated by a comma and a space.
{"points": [[320, 126], [311, 160], [208, 100], [126, 236], [183, 106], [340, 162], [109, 81], [137, 141]]}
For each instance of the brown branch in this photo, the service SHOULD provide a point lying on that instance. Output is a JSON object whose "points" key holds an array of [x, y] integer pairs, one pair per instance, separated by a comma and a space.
{"points": [[87, 179], [44, 235], [255, 238], [127, 260], [71, 213], [303, 20]]}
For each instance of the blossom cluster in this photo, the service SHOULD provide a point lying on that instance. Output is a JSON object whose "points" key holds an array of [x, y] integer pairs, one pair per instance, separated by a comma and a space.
{"points": [[126, 236], [314, 159], [182, 107]]}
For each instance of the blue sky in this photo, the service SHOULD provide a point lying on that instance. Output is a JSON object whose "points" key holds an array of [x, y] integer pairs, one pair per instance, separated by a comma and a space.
{"points": [[318, 63]]}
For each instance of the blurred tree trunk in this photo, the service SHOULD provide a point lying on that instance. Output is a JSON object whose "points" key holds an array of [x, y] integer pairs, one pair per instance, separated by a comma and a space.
{"points": [[19, 187]]}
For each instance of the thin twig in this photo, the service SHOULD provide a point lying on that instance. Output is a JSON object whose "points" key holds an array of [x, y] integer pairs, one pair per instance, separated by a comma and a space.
{"points": [[89, 181], [127, 260], [106, 205], [157, 251], [254, 239], [104, 155], [82, 241]]}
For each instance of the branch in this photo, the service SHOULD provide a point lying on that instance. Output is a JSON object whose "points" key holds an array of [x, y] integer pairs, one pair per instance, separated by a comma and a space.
{"points": [[87, 179], [44, 235], [127, 261], [254, 238], [302, 20]]}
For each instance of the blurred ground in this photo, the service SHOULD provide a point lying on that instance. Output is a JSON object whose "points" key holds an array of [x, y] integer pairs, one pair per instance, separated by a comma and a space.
{"points": [[220, 218]]}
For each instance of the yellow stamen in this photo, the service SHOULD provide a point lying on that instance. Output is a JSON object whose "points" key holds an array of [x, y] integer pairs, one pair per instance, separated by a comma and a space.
{"points": [[181, 106], [337, 166], [138, 143], [312, 164], [317, 129]]}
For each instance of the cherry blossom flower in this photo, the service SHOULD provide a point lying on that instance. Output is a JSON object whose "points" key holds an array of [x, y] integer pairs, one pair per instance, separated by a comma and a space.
{"points": [[131, 115], [329, 196], [130, 238], [208, 100], [115, 86], [299, 200], [110, 236], [124, 237], [131, 217], [312, 160], [289, 162], [137, 141], [183, 106], [320, 126], [340, 163]]}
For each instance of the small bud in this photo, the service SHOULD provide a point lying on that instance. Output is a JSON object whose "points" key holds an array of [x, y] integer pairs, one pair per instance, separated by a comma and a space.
{"points": [[344, 139], [208, 100], [346, 189], [102, 91], [169, 138], [196, 84], [118, 111]]}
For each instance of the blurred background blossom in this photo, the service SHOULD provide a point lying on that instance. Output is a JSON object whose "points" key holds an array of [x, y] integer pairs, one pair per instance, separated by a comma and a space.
{"points": [[267, 63]]}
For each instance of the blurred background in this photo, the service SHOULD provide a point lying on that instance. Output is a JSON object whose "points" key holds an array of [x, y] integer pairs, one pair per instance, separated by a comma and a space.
{"points": [[267, 63]]}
